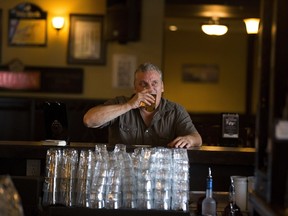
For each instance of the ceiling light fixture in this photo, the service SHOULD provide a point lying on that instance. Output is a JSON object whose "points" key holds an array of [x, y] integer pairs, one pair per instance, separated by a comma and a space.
{"points": [[252, 25], [173, 28], [214, 28]]}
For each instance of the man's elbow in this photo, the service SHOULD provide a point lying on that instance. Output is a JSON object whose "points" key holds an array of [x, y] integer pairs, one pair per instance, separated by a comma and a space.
{"points": [[87, 121], [200, 141], [197, 139]]}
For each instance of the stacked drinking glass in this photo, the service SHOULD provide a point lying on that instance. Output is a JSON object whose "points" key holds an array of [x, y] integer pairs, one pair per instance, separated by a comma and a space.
{"points": [[68, 177], [114, 181], [144, 178], [85, 172], [60, 181], [148, 178], [161, 169], [129, 194], [99, 180], [51, 183], [180, 180]]}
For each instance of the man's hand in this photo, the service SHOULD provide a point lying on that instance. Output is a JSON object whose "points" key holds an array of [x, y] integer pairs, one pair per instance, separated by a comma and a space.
{"points": [[187, 141], [140, 99]]}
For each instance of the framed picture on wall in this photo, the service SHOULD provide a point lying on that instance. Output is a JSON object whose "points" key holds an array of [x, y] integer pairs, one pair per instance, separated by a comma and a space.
{"points": [[27, 25], [200, 73], [86, 44]]}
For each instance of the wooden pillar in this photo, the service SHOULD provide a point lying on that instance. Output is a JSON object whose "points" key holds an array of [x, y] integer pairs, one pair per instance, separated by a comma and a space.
{"points": [[251, 40], [271, 159], [262, 128], [278, 161]]}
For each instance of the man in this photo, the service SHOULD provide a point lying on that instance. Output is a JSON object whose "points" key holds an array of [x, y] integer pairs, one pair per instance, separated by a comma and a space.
{"points": [[131, 123]]}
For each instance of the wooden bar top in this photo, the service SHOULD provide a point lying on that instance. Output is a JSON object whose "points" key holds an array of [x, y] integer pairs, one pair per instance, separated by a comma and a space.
{"points": [[203, 154]]}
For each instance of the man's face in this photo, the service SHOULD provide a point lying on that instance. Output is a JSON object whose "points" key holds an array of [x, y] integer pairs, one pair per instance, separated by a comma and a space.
{"points": [[150, 81]]}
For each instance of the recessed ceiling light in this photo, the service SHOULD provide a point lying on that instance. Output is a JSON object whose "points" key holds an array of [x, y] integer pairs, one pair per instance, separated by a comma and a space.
{"points": [[173, 28]]}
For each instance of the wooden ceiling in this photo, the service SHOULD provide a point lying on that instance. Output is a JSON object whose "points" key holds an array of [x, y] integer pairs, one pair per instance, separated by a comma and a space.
{"points": [[232, 9]]}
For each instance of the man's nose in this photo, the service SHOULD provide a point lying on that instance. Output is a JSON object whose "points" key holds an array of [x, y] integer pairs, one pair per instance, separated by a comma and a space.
{"points": [[148, 86]]}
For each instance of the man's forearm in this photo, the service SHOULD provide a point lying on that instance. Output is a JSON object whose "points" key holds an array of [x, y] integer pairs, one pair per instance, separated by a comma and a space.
{"points": [[99, 115], [196, 139]]}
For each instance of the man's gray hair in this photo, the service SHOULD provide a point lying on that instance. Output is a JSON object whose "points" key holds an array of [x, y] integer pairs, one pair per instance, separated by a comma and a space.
{"points": [[145, 67]]}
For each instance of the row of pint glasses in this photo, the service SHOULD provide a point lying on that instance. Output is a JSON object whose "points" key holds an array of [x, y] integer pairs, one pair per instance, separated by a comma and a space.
{"points": [[148, 178]]}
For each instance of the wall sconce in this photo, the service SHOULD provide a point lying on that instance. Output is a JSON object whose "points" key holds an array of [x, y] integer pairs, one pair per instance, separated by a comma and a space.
{"points": [[252, 25], [214, 28], [58, 23]]}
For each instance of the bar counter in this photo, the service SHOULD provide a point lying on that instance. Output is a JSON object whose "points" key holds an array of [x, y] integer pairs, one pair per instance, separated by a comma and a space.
{"points": [[220, 155], [224, 162]]}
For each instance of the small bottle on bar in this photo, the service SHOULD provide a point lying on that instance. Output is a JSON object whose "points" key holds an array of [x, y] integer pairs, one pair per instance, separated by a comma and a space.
{"points": [[209, 203]]}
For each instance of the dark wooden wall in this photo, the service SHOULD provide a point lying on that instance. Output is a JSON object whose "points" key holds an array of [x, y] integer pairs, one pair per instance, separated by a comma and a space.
{"points": [[24, 119]]}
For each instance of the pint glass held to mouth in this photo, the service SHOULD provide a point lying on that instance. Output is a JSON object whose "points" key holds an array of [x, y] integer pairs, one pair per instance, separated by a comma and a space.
{"points": [[151, 107]]}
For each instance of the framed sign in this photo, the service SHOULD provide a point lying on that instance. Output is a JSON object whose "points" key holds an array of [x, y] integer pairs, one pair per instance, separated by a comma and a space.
{"points": [[27, 26], [230, 125], [123, 70], [86, 44]]}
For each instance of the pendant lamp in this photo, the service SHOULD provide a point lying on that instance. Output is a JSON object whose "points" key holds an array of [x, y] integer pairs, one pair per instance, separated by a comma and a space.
{"points": [[213, 27]]}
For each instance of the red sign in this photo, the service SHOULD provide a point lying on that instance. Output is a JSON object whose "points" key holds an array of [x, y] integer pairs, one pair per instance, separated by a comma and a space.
{"points": [[20, 80]]}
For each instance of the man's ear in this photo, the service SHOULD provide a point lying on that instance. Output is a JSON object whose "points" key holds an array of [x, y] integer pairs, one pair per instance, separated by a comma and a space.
{"points": [[162, 90]]}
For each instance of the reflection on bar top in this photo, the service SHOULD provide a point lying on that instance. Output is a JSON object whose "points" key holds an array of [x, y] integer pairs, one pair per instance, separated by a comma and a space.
{"points": [[92, 145]]}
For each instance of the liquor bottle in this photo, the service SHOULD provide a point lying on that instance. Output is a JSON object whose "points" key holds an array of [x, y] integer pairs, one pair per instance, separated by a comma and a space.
{"points": [[209, 203], [232, 209]]}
